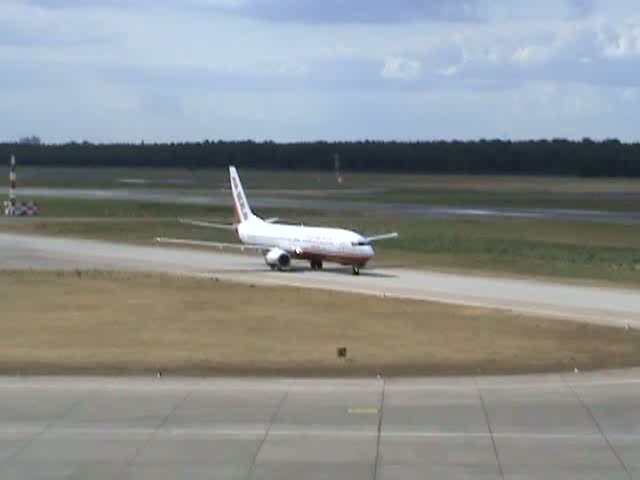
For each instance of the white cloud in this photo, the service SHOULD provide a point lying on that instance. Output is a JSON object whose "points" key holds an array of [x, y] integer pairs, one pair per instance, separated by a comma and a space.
{"points": [[631, 94], [401, 68], [623, 41], [527, 55], [450, 70]]}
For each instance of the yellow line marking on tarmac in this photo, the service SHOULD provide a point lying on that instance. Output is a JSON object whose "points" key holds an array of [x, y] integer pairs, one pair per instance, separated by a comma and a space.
{"points": [[363, 411]]}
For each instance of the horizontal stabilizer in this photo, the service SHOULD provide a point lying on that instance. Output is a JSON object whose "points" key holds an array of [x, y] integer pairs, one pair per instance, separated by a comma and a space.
{"points": [[385, 236], [198, 223], [202, 243]]}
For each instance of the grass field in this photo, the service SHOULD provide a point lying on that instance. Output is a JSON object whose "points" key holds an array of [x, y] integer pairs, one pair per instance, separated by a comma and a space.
{"points": [[99, 322], [451, 190], [563, 250], [614, 202]]}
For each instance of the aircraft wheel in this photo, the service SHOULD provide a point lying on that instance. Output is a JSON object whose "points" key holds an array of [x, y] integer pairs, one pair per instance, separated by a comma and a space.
{"points": [[272, 267], [356, 270], [316, 264]]}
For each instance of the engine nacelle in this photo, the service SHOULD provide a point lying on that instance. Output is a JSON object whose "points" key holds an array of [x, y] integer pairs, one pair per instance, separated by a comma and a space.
{"points": [[277, 258]]}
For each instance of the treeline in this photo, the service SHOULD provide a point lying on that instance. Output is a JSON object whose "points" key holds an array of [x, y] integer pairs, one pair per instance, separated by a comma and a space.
{"points": [[609, 158]]}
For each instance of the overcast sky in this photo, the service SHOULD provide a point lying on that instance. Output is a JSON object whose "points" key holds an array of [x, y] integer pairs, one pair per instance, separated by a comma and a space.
{"points": [[163, 70]]}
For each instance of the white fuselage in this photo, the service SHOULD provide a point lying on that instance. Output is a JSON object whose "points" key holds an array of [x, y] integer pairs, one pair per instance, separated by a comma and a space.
{"points": [[309, 243]]}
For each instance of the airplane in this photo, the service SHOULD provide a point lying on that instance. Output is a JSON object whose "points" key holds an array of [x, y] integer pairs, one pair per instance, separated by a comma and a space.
{"points": [[280, 243]]}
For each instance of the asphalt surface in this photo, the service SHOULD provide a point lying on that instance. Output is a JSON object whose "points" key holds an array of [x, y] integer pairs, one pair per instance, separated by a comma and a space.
{"points": [[573, 426], [224, 199], [564, 426], [614, 306]]}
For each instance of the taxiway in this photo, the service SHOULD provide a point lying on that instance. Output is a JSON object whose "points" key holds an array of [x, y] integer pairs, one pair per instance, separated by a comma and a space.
{"points": [[553, 426], [605, 305]]}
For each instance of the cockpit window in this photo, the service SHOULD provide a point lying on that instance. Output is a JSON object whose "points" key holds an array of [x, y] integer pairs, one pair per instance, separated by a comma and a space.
{"points": [[361, 243]]}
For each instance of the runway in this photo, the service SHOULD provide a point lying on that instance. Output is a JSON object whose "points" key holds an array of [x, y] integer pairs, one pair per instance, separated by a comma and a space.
{"points": [[614, 306], [419, 210], [554, 426]]}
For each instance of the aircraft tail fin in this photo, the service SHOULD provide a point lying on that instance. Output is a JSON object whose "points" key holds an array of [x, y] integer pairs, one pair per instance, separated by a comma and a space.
{"points": [[241, 209]]}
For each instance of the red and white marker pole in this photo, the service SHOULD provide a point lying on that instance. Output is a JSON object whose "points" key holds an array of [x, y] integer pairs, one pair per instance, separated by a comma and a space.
{"points": [[12, 208], [12, 182], [336, 165]]}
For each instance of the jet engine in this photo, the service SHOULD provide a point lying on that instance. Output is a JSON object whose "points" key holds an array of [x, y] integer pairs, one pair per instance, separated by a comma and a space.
{"points": [[277, 258]]}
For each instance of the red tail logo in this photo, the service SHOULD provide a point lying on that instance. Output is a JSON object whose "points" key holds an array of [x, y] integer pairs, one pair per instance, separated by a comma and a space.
{"points": [[240, 206]]}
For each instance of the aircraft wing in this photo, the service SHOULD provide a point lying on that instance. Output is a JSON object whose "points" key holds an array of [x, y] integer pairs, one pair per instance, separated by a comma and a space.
{"points": [[385, 236], [198, 223], [222, 226], [201, 243]]}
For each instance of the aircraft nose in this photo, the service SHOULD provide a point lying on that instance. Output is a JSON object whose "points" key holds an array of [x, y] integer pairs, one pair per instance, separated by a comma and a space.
{"points": [[369, 251]]}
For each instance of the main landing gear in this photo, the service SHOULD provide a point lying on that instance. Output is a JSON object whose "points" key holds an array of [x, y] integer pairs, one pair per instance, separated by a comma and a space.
{"points": [[316, 264], [356, 270]]}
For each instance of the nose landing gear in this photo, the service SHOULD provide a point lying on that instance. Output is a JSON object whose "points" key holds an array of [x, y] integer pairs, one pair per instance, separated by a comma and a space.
{"points": [[356, 270]]}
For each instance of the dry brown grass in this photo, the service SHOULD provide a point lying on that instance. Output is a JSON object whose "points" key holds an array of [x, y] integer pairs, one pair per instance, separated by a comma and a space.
{"points": [[99, 322]]}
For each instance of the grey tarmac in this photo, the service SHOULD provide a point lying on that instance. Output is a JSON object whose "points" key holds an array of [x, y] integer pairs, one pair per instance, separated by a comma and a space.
{"points": [[564, 426], [604, 305], [419, 210]]}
